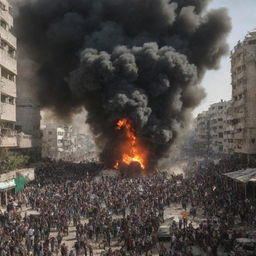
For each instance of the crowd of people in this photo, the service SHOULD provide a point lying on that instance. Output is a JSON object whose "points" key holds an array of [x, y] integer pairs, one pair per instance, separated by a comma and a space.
{"points": [[224, 206], [122, 215]]}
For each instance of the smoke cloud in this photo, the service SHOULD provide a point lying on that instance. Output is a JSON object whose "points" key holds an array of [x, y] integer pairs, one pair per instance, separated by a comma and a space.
{"points": [[137, 59]]}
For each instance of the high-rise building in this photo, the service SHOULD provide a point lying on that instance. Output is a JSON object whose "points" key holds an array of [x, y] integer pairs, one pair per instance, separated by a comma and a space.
{"points": [[216, 114], [8, 74], [243, 69]]}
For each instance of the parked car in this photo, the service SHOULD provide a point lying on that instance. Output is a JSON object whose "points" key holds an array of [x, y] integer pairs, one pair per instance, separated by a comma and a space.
{"points": [[163, 233], [245, 246]]}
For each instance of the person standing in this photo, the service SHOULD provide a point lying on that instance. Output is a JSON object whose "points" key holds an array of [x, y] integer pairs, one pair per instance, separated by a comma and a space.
{"points": [[71, 253]]}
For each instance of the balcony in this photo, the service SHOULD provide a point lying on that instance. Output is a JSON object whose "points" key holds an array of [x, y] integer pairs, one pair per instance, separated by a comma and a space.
{"points": [[240, 75], [8, 112], [239, 90], [8, 142], [8, 87], [9, 37], [7, 17], [8, 62]]}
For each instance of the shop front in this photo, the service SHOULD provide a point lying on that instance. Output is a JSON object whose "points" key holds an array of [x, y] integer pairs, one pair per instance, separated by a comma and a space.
{"points": [[7, 190]]}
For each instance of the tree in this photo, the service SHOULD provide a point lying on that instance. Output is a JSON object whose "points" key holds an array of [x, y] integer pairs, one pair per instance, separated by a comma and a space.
{"points": [[11, 160]]}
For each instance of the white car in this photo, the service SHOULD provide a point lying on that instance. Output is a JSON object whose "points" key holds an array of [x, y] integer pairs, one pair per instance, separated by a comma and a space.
{"points": [[163, 233]]}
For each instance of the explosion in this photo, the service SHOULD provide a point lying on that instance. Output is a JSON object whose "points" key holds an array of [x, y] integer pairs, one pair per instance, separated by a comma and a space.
{"points": [[131, 150], [139, 59]]}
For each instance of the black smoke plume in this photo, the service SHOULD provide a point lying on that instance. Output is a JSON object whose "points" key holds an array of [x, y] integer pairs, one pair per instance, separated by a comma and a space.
{"points": [[136, 59]]}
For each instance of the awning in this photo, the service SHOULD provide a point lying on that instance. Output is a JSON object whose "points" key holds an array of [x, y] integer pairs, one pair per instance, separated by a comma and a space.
{"points": [[7, 185], [245, 175]]}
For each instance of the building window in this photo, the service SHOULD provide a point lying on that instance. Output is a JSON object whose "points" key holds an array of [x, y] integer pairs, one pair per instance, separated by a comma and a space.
{"points": [[7, 99], [252, 42], [8, 74], [3, 98], [8, 48], [2, 6], [3, 24], [11, 100], [3, 44], [50, 133], [11, 52]]}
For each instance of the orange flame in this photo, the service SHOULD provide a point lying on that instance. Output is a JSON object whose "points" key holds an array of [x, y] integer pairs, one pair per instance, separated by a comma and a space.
{"points": [[132, 151]]}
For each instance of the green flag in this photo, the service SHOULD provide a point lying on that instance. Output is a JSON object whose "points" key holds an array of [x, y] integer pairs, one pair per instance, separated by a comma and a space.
{"points": [[20, 183]]}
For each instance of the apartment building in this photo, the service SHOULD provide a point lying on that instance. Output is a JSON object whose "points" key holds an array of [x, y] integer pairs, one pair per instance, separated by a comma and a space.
{"points": [[202, 138], [232, 124], [217, 120], [58, 141], [209, 129], [243, 69], [8, 74]]}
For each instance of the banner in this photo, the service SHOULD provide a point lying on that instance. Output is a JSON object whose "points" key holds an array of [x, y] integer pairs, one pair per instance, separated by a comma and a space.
{"points": [[20, 183]]}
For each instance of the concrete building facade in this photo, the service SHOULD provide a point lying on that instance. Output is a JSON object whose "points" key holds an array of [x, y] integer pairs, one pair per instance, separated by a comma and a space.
{"points": [[58, 142], [8, 75], [201, 138], [217, 120], [209, 129], [232, 130], [28, 123], [66, 143], [228, 129], [243, 69]]}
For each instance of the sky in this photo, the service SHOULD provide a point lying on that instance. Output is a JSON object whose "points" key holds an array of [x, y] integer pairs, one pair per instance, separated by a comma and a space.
{"points": [[217, 83]]}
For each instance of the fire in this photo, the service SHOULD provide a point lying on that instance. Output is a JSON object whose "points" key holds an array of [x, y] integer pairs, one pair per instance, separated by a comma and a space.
{"points": [[132, 150]]}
